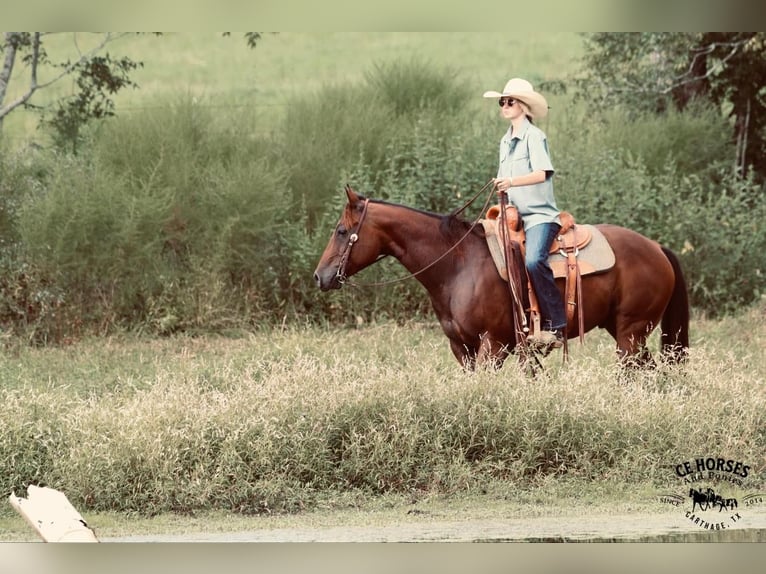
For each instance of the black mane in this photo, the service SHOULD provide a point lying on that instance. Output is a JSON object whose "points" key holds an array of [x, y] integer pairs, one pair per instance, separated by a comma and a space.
{"points": [[452, 226]]}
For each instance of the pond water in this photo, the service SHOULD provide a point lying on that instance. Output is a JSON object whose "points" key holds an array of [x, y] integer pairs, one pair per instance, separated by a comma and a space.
{"points": [[423, 525], [731, 535], [637, 530]]}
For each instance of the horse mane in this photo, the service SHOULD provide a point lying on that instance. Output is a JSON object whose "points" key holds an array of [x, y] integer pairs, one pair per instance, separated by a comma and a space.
{"points": [[452, 226], [455, 227]]}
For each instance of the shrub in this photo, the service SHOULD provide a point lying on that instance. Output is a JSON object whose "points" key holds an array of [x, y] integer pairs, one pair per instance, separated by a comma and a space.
{"points": [[179, 218], [339, 126], [157, 233], [695, 140], [703, 211]]}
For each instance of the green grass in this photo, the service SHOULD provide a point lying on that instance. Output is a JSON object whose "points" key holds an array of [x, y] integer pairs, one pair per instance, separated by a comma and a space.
{"points": [[226, 73]]}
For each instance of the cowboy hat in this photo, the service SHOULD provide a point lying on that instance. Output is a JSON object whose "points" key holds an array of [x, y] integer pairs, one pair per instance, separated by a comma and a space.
{"points": [[523, 91]]}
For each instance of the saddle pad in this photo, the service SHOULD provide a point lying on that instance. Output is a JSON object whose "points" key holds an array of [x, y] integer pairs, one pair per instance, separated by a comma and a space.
{"points": [[595, 257]]}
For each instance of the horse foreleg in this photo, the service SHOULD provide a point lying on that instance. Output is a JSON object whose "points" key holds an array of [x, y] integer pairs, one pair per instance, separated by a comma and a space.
{"points": [[640, 358], [530, 362], [464, 356], [491, 352]]}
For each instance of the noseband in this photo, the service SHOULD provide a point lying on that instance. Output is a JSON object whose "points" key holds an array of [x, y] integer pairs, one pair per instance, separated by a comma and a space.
{"points": [[340, 274]]}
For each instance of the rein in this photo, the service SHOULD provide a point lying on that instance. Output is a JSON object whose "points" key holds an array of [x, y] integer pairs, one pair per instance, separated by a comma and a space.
{"points": [[515, 280], [341, 273]]}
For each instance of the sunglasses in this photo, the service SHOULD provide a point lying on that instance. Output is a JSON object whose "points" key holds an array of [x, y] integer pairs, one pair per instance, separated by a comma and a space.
{"points": [[502, 101]]}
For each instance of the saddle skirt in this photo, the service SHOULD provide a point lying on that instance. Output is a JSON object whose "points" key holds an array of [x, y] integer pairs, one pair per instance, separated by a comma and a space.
{"points": [[593, 252]]}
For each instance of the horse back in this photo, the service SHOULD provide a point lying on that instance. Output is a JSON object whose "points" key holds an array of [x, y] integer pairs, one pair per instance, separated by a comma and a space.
{"points": [[624, 240], [637, 258]]}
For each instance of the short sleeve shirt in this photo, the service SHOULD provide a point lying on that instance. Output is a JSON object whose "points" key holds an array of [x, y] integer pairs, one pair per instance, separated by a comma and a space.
{"points": [[522, 153]]}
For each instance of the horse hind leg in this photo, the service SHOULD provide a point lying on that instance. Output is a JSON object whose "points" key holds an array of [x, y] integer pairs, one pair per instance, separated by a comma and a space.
{"points": [[632, 351]]}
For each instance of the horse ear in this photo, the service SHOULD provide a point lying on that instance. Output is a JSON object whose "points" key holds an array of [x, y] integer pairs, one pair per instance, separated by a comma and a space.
{"points": [[353, 197]]}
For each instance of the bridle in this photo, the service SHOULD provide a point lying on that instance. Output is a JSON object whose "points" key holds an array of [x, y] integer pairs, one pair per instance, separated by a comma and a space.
{"points": [[340, 274]]}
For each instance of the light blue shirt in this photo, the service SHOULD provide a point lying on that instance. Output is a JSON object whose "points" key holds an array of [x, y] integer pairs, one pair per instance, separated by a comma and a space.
{"points": [[522, 153]]}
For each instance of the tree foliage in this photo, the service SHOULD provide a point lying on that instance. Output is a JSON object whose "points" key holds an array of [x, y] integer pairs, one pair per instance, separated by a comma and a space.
{"points": [[657, 70], [97, 77], [97, 80]]}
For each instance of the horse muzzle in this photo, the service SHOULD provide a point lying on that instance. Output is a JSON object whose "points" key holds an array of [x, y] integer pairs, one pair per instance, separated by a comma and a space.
{"points": [[327, 279]]}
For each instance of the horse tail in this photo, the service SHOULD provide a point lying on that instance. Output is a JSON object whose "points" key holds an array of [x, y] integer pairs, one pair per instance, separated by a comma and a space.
{"points": [[675, 321]]}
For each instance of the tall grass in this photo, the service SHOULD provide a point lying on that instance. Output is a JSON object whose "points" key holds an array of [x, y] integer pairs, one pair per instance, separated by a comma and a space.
{"points": [[188, 217], [276, 422], [158, 225]]}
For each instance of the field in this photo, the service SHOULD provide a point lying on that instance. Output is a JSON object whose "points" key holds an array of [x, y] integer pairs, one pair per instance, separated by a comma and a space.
{"points": [[343, 424], [227, 74], [304, 425]]}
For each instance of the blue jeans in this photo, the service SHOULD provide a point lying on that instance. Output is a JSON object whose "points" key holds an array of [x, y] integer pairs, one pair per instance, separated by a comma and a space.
{"points": [[538, 242]]}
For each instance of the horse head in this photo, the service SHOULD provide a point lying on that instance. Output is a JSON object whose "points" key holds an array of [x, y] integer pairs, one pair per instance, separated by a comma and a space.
{"points": [[350, 248]]}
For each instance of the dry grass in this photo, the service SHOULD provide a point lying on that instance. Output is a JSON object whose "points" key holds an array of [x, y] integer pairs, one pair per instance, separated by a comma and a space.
{"points": [[281, 421]]}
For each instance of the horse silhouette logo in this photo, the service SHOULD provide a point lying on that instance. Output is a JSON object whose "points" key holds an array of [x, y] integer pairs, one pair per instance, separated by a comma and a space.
{"points": [[708, 499]]}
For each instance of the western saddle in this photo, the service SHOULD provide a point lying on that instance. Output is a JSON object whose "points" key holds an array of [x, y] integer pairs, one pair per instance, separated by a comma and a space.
{"points": [[570, 240]]}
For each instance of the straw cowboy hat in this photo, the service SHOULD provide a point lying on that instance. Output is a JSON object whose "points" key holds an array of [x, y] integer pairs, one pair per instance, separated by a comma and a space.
{"points": [[524, 92]]}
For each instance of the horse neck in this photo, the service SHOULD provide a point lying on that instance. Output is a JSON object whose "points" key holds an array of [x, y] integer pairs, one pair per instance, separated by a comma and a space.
{"points": [[417, 240]]}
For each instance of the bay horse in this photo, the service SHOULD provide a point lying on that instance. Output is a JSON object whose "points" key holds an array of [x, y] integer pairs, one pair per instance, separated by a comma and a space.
{"points": [[449, 256]]}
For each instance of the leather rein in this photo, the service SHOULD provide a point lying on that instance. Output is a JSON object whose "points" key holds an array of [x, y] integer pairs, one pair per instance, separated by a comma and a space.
{"points": [[341, 276]]}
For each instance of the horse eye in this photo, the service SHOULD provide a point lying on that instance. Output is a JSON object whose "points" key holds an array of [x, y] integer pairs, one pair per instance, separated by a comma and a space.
{"points": [[341, 230]]}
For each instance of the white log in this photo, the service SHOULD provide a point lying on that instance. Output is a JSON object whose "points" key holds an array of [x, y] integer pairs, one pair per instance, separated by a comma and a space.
{"points": [[52, 516]]}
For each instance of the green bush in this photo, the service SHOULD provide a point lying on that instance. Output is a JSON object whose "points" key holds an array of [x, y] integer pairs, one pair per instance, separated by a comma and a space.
{"points": [[695, 205], [406, 87], [694, 140], [327, 132], [31, 302], [184, 217], [165, 216]]}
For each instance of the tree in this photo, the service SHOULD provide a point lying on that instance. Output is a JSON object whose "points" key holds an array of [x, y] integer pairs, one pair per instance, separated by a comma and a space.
{"points": [[654, 70], [97, 77]]}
